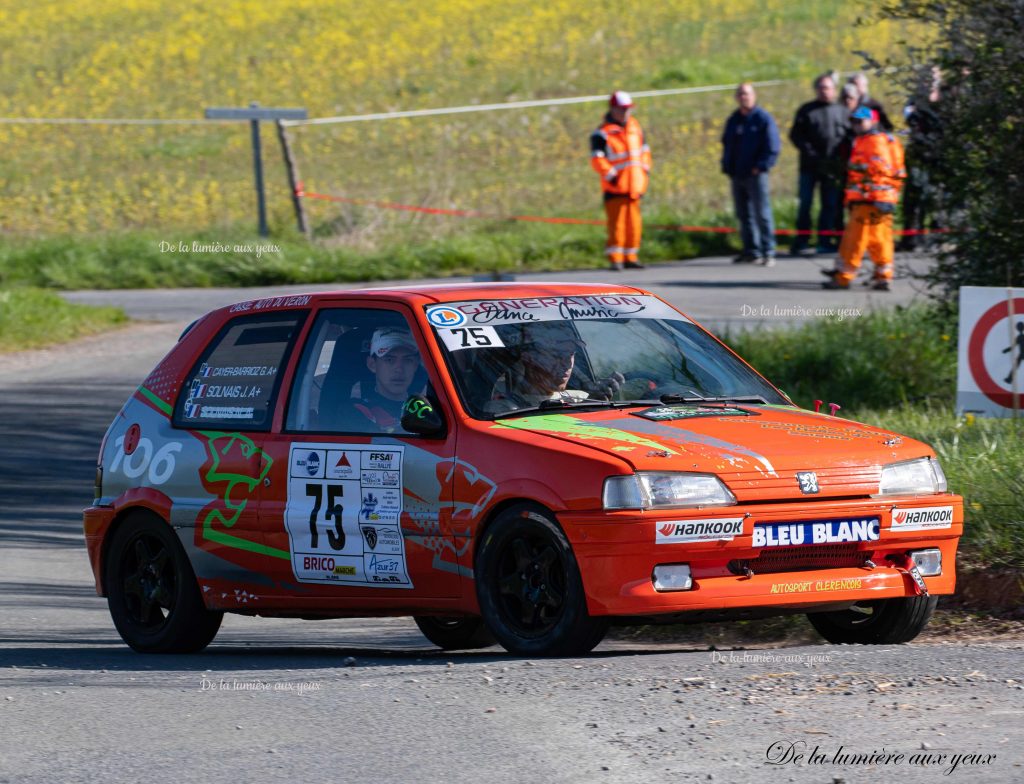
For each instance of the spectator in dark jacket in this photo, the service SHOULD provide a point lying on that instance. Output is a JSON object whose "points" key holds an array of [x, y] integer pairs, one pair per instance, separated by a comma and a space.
{"points": [[819, 129], [750, 148], [921, 197], [860, 81]]}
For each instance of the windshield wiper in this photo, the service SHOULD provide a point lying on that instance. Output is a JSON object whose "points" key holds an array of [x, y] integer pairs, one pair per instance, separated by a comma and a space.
{"points": [[697, 399], [548, 405]]}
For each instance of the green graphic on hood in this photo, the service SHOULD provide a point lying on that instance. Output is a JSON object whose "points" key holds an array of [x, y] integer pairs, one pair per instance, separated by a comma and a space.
{"points": [[570, 426]]}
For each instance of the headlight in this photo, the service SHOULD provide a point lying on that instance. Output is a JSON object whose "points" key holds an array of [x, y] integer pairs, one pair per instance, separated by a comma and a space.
{"points": [[923, 475], [658, 490]]}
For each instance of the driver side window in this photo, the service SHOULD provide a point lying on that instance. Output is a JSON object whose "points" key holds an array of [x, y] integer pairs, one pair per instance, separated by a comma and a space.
{"points": [[358, 368]]}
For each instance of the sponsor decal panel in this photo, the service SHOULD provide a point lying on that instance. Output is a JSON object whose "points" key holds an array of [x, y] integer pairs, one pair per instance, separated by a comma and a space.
{"points": [[837, 531], [342, 515], [708, 530], [669, 413], [560, 308], [922, 518], [818, 586]]}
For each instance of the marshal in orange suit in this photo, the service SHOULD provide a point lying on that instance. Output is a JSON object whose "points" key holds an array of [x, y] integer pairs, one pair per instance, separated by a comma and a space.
{"points": [[620, 155], [876, 174]]}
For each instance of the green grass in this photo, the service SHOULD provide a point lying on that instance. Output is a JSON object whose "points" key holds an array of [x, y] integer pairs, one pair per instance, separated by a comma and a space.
{"points": [[140, 260], [30, 318], [879, 359]]}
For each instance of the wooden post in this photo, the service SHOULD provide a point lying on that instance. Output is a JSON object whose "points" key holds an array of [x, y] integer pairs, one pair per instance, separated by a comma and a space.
{"points": [[293, 179], [254, 113]]}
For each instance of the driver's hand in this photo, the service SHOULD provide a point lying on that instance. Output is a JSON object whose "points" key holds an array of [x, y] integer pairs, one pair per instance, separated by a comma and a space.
{"points": [[607, 388]]}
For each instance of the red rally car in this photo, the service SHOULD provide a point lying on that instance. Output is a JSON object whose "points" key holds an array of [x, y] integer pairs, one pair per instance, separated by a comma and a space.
{"points": [[525, 463]]}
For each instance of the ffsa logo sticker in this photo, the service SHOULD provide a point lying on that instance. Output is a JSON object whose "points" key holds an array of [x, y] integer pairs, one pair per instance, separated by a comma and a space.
{"points": [[808, 481]]}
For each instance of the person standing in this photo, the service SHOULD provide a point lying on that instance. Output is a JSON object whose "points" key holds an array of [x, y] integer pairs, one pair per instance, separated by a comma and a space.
{"points": [[876, 174], [750, 148], [920, 198], [860, 81], [620, 155], [818, 130]]}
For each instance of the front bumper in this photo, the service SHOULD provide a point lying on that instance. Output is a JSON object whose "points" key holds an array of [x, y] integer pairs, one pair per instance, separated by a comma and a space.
{"points": [[617, 553]]}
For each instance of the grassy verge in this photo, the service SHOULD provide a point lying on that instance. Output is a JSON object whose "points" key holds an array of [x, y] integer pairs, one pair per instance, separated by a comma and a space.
{"points": [[236, 258], [897, 369], [881, 359], [30, 318]]}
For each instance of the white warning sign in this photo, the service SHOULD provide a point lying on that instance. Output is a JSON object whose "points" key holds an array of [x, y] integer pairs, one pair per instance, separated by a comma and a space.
{"points": [[343, 515], [990, 366]]}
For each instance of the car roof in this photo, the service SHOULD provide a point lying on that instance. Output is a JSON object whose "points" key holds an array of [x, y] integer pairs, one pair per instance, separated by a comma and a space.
{"points": [[425, 294]]}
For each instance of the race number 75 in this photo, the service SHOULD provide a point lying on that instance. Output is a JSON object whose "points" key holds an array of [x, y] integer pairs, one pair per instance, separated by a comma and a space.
{"points": [[473, 336], [332, 511]]}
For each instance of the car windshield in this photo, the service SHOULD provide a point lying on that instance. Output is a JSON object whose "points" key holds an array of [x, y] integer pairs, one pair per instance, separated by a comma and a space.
{"points": [[517, 356]]}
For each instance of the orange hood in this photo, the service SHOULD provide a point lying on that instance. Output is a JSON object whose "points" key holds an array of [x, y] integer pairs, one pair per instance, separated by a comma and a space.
{"points": [[755, 450]]}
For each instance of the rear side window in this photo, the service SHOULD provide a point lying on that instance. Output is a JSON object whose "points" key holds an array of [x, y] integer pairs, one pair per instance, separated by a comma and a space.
{"points": [[234, 384]]}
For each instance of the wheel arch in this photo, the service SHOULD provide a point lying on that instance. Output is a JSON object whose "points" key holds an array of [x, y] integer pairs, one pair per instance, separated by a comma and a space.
{"points": [[142, 501], [503, 506]]}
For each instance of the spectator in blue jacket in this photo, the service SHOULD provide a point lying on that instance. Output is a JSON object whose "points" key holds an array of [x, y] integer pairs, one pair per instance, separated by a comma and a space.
{"points": [[750, 148]]}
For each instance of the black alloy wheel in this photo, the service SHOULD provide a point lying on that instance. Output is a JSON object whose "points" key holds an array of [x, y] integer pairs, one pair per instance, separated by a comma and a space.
{"points": [[529, 586], [152, 592]]}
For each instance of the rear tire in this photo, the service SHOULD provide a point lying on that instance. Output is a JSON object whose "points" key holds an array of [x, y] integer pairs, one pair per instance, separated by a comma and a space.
{"points": [[881, 622], [152, 592], [529, 588], [465, 632]]}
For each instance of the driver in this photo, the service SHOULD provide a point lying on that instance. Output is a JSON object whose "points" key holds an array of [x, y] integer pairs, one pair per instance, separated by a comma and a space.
{"points": [[394, 359], [545, 366]]}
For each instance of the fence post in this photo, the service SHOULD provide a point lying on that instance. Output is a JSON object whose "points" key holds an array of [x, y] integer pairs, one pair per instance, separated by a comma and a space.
{"points": [[293, 179]]}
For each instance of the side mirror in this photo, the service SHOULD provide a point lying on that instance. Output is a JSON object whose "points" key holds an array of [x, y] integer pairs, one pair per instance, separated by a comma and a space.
{"points": [[421, 417]]}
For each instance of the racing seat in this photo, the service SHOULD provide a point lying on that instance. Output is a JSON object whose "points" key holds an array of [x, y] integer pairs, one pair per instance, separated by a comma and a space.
{"points": [[346, 371]]}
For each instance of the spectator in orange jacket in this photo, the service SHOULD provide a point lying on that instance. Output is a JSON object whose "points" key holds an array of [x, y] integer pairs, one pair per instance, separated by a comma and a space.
{"points": [[874, 180], [619, 153]]}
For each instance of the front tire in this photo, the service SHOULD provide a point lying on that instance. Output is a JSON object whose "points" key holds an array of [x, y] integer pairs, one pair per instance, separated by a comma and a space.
{"points": [[152, 592], [455, 633], [881, 622], [529, 587]]}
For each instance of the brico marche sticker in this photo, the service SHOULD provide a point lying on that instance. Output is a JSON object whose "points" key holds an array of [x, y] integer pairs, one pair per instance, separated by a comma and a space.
{"points": [[343, 515], [861, 529]]}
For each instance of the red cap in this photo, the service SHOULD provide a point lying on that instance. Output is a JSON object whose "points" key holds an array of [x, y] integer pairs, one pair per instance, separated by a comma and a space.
{"points": [[620, 98]]}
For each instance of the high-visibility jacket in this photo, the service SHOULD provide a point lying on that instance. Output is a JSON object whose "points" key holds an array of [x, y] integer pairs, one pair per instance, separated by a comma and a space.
{"points": [[621, 156], [876, 170]]}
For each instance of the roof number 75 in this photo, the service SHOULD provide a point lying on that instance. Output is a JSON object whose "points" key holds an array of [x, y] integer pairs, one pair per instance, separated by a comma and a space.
{"points": [[473, 336]]}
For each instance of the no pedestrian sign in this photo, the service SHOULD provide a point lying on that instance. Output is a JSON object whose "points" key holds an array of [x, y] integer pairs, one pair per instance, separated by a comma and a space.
{"points": [[990, 366]]}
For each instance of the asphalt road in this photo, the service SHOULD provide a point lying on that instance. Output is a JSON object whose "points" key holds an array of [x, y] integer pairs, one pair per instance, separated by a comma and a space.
{"points": [[719, 294], [371, 701]]}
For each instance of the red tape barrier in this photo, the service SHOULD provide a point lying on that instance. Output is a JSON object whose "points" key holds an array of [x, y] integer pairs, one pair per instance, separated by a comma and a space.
{"points": [[388, 205]]}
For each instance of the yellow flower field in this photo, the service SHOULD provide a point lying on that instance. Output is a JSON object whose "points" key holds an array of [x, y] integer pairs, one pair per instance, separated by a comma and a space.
{"points": [[153, 59]]}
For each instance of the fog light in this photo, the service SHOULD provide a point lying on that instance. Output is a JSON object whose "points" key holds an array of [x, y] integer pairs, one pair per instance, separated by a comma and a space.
{"points": [[672, 577], [929, 562]]}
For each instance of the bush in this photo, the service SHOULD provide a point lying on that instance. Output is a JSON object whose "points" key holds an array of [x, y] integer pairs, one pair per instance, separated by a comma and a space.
{"points": [[884, 358], [971, 76]]}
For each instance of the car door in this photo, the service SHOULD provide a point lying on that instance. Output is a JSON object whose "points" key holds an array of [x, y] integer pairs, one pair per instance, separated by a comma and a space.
{"points": [[224, 409], [361, 506]]}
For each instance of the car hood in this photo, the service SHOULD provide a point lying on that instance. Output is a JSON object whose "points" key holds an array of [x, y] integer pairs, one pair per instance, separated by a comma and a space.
{"points": [[756, 450]]}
